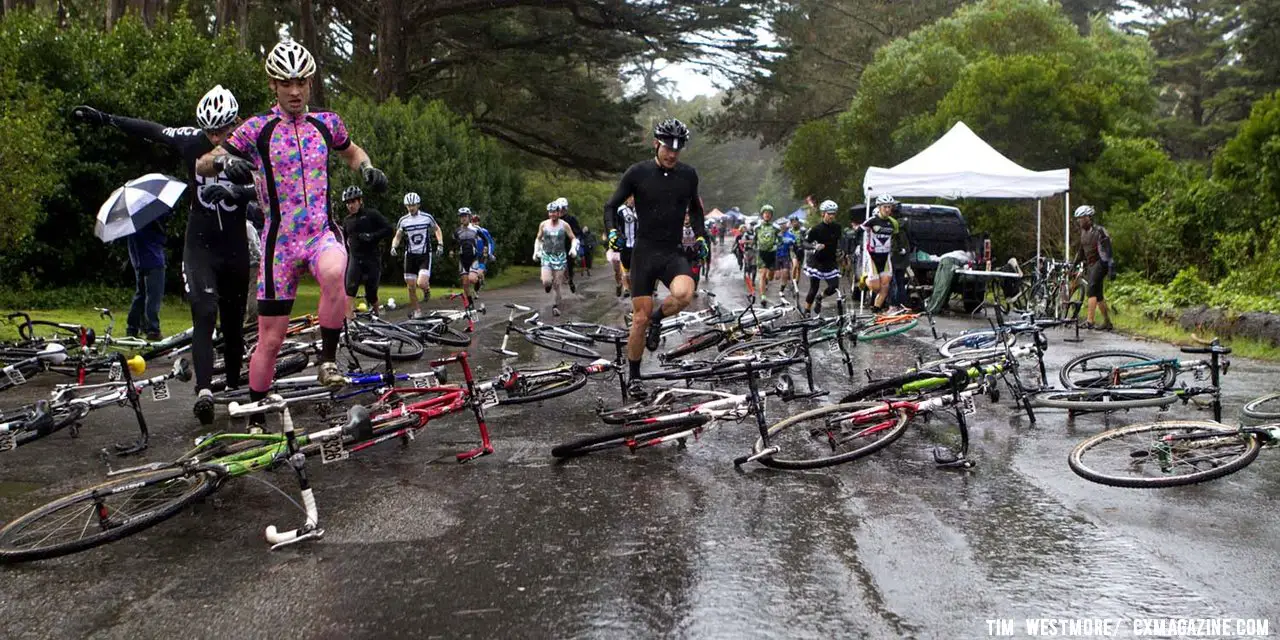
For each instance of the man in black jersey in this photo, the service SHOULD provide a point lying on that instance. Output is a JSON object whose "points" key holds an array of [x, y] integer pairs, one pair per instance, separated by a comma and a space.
{"points": [[215, 263], [664, 189], [365, 229]]}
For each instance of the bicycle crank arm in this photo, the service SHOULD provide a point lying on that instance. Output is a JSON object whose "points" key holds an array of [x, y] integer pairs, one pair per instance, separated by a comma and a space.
{"points": [[769, 451]]}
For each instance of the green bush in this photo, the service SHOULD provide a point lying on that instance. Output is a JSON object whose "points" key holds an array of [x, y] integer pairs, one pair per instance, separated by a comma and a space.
{"points": [[157, 74]]}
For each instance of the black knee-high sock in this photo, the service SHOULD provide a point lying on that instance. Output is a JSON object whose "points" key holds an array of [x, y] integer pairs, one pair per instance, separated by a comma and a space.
{"points": [[329, 344], [813, 291]]}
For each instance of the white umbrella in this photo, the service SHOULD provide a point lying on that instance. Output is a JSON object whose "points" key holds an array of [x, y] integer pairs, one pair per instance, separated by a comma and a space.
{"points": [[137, 204]]}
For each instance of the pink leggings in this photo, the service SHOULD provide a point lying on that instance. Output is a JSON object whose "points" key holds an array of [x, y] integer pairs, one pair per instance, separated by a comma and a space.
{"points": [[329, 269]]}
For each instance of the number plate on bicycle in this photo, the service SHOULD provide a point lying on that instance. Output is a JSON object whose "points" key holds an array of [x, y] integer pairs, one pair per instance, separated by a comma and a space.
{"points": [[114, 372], [488, 397], [8, 442], [967, 406], [160, 391], [331, 450], [15, 376]]}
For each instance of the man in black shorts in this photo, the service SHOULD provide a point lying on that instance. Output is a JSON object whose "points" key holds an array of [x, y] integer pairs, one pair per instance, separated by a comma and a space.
{"points": [[664, 190], [365, 229]]}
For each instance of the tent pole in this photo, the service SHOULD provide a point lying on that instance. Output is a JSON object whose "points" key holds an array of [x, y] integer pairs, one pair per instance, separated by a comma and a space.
{"points": [[1066, 223], [1039, 211]]}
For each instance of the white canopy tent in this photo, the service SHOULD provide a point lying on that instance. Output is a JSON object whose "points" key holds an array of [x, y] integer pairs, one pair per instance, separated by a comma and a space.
{"points": [[962, 165]]}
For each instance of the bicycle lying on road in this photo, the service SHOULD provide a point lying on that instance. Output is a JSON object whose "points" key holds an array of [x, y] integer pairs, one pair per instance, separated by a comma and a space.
{"points": [[140, 497]]}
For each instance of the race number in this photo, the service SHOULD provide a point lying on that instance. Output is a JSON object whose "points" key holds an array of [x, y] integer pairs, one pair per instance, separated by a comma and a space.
{"points": [[160, 390], [8, 442], [114, 372], [967, 406], [15, 375], [331, 450], [488, 397]]}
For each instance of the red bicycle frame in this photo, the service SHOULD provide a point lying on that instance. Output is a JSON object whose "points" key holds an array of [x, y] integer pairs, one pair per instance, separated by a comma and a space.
{"points": [[447, 399]]}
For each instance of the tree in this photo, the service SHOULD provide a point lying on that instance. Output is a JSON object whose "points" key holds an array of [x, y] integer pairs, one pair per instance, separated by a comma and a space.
{"points": [[823, 47], [1204, 90], [813, 164], [1020, 75]]}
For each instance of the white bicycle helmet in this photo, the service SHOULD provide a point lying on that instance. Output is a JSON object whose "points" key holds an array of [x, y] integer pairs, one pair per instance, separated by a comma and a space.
{"points": [[885, 198], [464, 211], [352, 193], [828, 205], [217, 109], [563, 203], [289, 60], [553, 206], [412, 198], [1083, 211]]}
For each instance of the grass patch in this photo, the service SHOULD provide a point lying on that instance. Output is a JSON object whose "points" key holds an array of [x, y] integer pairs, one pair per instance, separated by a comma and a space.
{"points": [[75, 305], [1136, 324]]}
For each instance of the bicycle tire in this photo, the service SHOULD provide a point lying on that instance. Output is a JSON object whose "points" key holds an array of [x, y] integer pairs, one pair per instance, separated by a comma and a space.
{"points": [[1165, 380], [621, 437], [876, 332], [548, 389], [1090, 399], [404, 347], [561, 345], [977, 341], [445, 335], [599, 332], [1247, 444], [645, 409], [194, 486], [698, 342], [781, 348], [889, 435], [63, 417], [1264, 409]]}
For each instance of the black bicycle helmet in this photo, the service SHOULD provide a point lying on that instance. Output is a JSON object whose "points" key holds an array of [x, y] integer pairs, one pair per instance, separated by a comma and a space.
{"points": [[352, 193], [672, 133]]}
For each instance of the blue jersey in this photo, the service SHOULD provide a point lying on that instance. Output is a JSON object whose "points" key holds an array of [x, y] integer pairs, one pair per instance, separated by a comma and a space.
{"points": [[786, 242], [485, 240]]}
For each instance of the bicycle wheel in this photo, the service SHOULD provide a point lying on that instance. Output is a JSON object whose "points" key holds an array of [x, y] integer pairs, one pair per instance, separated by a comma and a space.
{"points": [[698, 342], [827, 435], [985, 340], [544, 385], [893, 328], [375, 342], [437, 332], [784, 348], [1264, 410], [105, 513], [552, 341], [624, 437], [1115, 368], [1102, 399], [1163, 454]]}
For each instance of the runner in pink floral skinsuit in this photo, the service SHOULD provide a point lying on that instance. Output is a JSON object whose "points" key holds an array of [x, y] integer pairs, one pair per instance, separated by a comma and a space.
{"points": [[286, 153]]}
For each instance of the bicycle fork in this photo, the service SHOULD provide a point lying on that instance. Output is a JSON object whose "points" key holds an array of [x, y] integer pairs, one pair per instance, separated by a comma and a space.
{"points": [[310, 528]]}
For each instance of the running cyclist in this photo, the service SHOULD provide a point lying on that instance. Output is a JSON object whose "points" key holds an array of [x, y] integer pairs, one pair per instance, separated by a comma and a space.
{"points": [[576, 228], [621, 236], [365, 229], [286, 151], [215, 257], [880, 232], [472, 250], [797, 251], [786, 243], [823, 239], [747, 249], [766, 251], [417, 226], [665, 189], [488, 258], [695, 251], [552, 246]]}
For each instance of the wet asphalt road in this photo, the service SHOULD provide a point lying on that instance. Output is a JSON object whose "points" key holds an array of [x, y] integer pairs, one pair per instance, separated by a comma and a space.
{"points": [[664, 543]]}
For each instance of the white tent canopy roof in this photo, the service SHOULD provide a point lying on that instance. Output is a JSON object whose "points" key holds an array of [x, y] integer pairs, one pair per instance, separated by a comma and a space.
{"points": [[962, 165]]}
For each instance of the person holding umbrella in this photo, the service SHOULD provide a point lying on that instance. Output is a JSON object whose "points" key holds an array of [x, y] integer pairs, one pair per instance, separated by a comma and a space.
{"points": [[215, 264], [286, 150]]}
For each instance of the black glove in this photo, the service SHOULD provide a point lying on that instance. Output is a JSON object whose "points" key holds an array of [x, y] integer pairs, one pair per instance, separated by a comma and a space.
{"points": [[216, 194], [88, 114], [237, 170], [374, 178]]}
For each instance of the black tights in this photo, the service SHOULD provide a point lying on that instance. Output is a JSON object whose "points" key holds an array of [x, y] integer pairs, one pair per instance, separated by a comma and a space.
{"points": [[227, 302], [832, 286]]}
